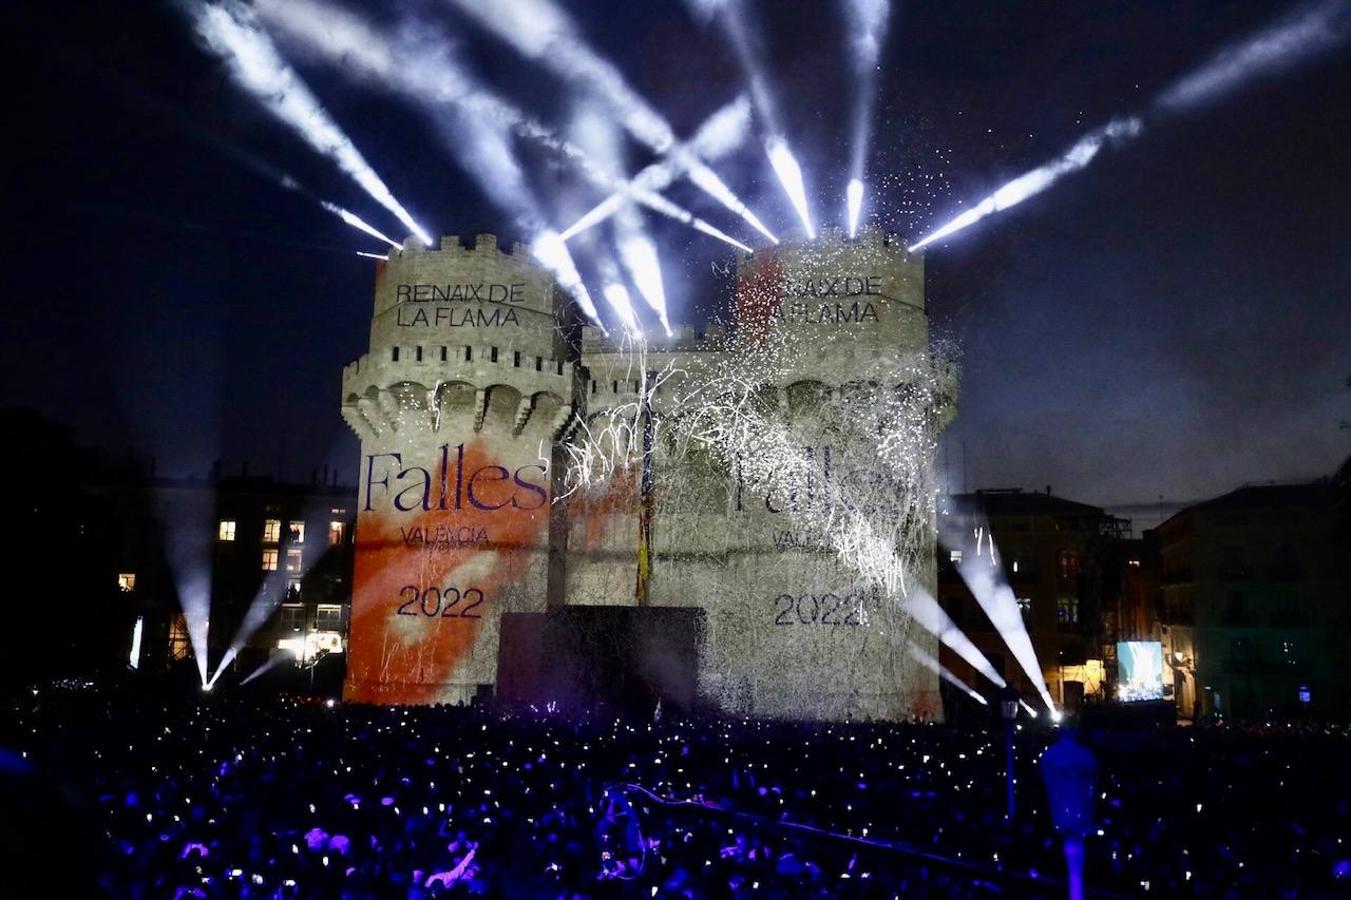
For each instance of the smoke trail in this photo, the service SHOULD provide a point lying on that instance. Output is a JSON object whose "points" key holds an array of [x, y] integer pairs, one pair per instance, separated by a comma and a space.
{"points": [[618, 297], [924, 609], [1040, 178], [636, 250], [1296, 38], [743, 34], [263, 669], [1306, 33], [421, 66], [720, 134], [854, 203], [231, 30], [933, 665], [985, 578], [435, 79], [549, 249], [356, 222], [786, 167], [540, 30], [867, 21]]}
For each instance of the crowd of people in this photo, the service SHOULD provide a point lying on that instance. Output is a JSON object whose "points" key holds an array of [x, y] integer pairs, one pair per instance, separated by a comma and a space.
{"points": [[302, 798]]}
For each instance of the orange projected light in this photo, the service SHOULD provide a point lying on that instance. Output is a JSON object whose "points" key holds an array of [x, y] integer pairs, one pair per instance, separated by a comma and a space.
{"points": [[440, 545]]}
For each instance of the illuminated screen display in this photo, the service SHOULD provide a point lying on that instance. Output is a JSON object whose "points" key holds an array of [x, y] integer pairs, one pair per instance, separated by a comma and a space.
{"points": [[1139, 670]]}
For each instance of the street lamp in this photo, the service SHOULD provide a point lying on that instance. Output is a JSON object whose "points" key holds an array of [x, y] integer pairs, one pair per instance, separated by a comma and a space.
{"points": [[1008, 709]]}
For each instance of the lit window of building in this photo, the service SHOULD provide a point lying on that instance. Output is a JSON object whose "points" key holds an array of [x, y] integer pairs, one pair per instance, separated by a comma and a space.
{"points": [[226, 532], [328, 617], [955, 557], [293, 561], [292, 588], [1067, 610], [1015, 566], [272, 531], [1289, 653], [126, 581], [1069, 564], [1025, 605], [179, 642], [296, 532], [270, 560], [336, 532], [292, 617]]}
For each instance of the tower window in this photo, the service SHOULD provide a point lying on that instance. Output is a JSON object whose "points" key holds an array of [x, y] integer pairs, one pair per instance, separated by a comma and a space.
{"points": [[394, 354], [516, 359], [539, 364], [443, 354], [492, 354], [418, 352], [468, 353]]}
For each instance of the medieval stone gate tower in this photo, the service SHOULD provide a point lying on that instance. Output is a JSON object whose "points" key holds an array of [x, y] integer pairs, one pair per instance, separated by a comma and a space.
{"points": [[476, 376]]}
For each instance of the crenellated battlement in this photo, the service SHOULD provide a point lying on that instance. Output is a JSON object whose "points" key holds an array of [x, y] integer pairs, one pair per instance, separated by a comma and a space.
{"points": [[452, 244]]}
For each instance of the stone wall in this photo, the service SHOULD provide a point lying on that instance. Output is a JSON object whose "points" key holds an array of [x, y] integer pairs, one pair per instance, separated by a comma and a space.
{"points": [[792, 628]]}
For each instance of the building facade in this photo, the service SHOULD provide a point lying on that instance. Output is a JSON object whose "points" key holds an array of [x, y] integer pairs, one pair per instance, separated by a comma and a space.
{"points": [[1256, 606], [270, 562], [514, 460], [1080, 583]]}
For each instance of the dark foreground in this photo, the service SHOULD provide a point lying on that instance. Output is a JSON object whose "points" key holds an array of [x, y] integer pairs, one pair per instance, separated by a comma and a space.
{"points": [[231, 799]]}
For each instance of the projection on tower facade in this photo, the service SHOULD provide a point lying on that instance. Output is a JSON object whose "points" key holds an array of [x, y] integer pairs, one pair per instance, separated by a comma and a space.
{"points": [[774, 472]]}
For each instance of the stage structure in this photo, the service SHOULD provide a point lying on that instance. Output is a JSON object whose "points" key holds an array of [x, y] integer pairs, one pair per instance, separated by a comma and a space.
{"points": [[774, 472]]}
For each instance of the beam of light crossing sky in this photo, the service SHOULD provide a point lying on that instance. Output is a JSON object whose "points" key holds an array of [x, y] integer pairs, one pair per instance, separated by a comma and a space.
{"points": [[1308, 32], [434, 78], [786, 167], [639, 256], [473, 132], [552, 252], [356, 222], [719, 134], [933, 665], [618, 297], [542, 31], [597, 133], [262, 670], [984, 576], [867, 24], [924, 609], [743, 33], [854, 202], [369, 255], [232, 31], [1039, 179]]}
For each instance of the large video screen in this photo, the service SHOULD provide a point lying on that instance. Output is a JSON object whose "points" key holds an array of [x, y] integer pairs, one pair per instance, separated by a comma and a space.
{"points": [[1139, 670]]}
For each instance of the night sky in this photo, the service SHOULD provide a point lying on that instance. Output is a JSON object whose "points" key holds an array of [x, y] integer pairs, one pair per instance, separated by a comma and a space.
{"points": [[1171, 322]]}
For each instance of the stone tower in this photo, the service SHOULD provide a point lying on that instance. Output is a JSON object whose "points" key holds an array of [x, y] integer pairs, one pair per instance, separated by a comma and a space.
{"points": [[458, 403], [470, 405], [794, 627]]}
